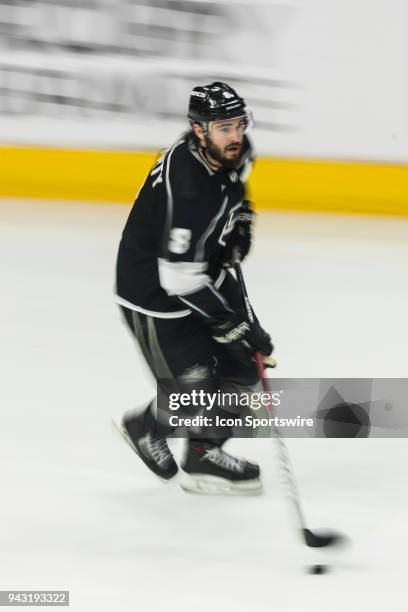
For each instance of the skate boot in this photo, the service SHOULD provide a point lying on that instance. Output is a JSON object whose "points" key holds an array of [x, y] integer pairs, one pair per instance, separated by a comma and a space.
{"points": [[139, 431], [209, 469]]}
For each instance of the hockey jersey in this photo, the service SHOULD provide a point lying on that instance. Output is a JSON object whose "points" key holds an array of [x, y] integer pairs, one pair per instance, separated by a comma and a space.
{"points": [[170, 254]]}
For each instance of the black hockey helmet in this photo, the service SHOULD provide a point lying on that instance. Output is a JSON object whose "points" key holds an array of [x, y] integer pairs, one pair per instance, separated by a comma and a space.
{"points": [[215, 101]]}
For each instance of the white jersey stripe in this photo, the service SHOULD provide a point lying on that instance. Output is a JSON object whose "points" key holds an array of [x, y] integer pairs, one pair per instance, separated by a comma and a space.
{"points": [[152, 313]]}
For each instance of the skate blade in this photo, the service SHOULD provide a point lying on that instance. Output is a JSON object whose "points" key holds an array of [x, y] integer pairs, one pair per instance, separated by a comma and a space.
{"points": [[205, 484], [120, 433]]}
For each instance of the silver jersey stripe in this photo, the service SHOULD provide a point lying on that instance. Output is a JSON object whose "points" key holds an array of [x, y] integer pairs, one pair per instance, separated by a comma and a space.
{"points": [[205, 314], [199, 255], [220, 297], [220, 279], [201, 160]]}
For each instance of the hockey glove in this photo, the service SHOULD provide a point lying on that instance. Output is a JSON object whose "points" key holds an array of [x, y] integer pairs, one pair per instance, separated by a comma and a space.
{"points": [[241, 235], [241, 338]]}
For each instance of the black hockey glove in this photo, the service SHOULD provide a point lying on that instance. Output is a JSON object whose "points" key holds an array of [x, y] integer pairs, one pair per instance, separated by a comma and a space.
{"points": [[241, 338], [241, 235]]}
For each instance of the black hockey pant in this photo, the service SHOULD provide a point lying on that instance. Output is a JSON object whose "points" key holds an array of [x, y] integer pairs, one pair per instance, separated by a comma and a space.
{"points": [[183, 357]]}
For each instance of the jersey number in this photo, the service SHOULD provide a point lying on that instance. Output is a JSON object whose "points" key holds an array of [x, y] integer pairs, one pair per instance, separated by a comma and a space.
{"points": [[179, 240]]}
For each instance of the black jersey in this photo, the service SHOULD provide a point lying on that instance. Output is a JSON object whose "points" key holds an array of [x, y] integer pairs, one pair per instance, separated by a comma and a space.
{"points": [[170, 255]]}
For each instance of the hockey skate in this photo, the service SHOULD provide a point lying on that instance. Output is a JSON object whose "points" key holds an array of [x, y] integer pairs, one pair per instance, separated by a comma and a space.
{"points": [[208, 469], [138, 430]]}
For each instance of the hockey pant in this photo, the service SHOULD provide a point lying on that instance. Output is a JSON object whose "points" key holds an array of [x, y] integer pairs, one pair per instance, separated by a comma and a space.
{"points": [[183, 358]]}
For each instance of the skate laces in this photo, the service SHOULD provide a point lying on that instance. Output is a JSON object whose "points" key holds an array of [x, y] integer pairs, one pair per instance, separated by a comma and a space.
{"points": [[158, 449], [224, 460]]}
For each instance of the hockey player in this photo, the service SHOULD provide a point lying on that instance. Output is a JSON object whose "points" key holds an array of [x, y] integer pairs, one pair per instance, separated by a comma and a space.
{"points": [[180, 302]]}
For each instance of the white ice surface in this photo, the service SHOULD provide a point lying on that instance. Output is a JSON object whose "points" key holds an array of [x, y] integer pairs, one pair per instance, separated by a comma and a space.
{"points": [[78, 511]]}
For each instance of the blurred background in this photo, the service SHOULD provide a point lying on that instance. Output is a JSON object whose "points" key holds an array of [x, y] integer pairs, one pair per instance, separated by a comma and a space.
{"points": [[90, 90], [326, 82]]}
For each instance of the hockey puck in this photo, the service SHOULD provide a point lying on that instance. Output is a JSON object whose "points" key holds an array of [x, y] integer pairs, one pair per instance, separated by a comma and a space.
{"points": [[318, 569]]}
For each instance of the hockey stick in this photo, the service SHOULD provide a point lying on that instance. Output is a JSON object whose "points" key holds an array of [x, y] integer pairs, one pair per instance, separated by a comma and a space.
{"points": [[310, 538]]}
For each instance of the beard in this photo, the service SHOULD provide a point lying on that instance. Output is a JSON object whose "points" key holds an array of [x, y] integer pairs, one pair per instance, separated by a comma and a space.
{"points": [[219, 154]]}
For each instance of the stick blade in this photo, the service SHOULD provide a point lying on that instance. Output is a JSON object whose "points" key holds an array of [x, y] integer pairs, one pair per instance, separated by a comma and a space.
{"points": [[314, 540]]}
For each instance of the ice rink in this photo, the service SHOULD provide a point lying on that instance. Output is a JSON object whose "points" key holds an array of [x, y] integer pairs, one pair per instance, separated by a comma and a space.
{"points": [[79, 511]]}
